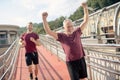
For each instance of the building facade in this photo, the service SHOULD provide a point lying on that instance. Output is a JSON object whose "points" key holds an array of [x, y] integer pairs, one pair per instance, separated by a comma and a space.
{"points": [[8, 33]]}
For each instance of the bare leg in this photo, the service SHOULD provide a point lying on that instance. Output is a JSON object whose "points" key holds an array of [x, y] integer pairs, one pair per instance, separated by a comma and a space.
{"points": [[36, 70], [30, 71]]}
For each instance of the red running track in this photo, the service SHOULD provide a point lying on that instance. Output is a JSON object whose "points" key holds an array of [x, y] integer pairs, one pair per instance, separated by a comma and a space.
{"points": [[50, 68]]}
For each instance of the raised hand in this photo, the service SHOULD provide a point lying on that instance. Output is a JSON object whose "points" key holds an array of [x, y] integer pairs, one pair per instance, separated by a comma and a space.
{"points": [[84, 4], [32, 39], [44, 15]]}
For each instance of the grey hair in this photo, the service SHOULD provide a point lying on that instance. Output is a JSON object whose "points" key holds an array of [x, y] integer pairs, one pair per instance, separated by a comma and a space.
{"points": [[66, 21]]}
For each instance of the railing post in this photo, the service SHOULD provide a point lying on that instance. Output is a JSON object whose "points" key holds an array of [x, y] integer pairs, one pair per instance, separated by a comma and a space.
{"points": [[116, 27], [89, 67], [98, 26], [57, 47]]}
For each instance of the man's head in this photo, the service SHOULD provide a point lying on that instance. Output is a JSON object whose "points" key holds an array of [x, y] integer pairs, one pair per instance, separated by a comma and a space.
{"points": [[30, 26], [68, 25]]}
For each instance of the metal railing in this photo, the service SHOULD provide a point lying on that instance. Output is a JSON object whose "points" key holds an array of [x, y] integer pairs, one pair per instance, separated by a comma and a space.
{"points": [[8, 62], [103, 62]]}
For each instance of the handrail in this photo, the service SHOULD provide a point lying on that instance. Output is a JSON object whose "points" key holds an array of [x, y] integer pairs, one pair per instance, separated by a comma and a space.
{"points": [[103, 53], [98, 45], [104, 69], [11, 61], [8, 49], [6, 52], [118, 62], [102, 45]]}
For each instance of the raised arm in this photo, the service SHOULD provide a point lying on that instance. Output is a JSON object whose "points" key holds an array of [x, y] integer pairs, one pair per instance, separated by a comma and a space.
{"points": [[86, 16], [46, 26]]}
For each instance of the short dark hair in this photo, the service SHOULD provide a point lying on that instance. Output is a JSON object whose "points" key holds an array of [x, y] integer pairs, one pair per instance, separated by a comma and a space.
{"points": [[30, 23]]}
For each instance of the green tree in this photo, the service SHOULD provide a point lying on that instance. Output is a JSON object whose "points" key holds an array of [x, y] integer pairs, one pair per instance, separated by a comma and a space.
{"points": [[93, 4], [77, 14]]}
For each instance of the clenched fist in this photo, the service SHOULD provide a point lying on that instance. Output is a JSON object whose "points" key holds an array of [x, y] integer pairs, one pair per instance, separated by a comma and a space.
{"points": [[32, 39], [84, 4], [44, 15]]}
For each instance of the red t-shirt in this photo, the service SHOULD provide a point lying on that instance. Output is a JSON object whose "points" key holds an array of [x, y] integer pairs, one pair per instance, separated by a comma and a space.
{"points": [[72, 45], [30, 46]]}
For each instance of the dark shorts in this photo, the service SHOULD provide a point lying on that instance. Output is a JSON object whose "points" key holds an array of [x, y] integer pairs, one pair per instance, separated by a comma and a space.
{"points": [[77, 69], [31, 58]]}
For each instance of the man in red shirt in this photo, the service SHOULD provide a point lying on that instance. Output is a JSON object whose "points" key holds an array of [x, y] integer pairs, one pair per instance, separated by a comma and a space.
{"points": [[30, 40], [71, 44]]}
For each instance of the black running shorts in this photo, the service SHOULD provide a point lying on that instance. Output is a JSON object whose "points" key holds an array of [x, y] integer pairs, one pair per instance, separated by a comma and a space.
{"points": [[77, 69], [31, 57]]}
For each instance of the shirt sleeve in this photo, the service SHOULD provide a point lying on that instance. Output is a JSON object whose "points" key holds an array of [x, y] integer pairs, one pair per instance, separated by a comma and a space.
{"points": [[79, 30], [60, 37]]}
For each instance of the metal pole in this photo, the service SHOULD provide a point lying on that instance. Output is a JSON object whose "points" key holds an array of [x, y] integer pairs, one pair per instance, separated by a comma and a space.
{"points": [[117, 36]]}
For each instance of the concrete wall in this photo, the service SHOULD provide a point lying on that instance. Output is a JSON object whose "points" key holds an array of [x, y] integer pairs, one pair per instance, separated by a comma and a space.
{"points": [[8, 34]]}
